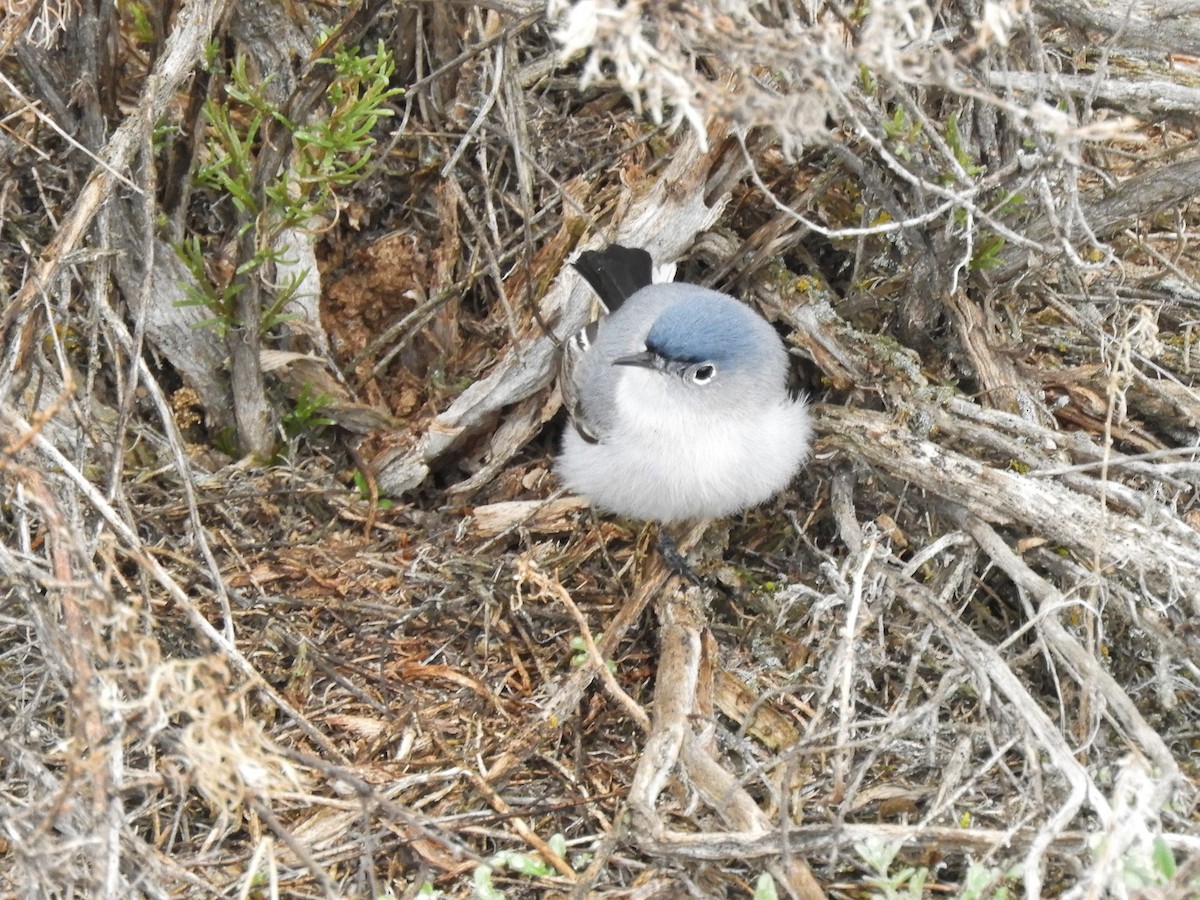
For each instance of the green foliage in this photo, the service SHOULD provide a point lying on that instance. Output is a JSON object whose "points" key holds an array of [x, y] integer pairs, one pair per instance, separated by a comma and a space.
{"points": [[1163, 859], [328, 152], [201, 291], [580, 653], [908, 883], [142, 31], [866, 79], [364, 490], [164, 134], [305, 417], [481, 881], [524, 864], [334, 151], [984, 883], [226, 441], [764, 888], [987, 252], [1012, 204], [902, 132], [1151, 866], [232, 143], [527, 864], [961, 156]]}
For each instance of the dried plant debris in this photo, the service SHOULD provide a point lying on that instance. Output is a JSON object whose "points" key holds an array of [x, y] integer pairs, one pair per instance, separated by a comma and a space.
{"points": [[292, 605]]}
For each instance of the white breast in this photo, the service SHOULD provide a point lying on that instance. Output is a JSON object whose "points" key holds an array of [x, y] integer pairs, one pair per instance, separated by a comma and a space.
{"points": [[668, 461]]}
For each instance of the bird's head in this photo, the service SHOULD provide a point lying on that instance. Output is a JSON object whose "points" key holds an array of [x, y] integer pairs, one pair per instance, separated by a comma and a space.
{"points": [[712, 343]]}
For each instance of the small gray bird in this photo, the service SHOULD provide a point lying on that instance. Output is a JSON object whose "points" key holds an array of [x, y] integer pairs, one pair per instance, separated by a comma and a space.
{"points": [[679, 399]]}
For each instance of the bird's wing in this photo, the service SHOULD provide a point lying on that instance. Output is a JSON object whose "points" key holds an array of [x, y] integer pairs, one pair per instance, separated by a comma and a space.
{"points": [[615, 273], [570, 370], [795, 380]]}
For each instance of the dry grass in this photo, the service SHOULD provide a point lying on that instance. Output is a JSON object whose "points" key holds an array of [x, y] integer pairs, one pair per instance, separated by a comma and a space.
{"points": [[970, 627]]}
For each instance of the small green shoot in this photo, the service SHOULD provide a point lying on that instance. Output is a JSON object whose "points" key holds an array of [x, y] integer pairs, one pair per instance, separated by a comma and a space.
{"points": [[226, 441], [305, 417], [143, 31], [1163, 858], [906, 884], [526, 864], [955, 139], [1144, 869], [481, 881], [987, 252], [764, 888], [866, 79], [200, 291], [364, 490], [979, 880], [902, 132], [580, 653]]}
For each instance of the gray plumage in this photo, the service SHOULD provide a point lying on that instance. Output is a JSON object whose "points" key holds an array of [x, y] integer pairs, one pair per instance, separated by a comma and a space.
{"points": [[679, 399]]}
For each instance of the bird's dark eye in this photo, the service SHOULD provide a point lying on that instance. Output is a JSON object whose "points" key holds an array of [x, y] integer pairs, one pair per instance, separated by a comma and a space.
{"points": [[704, 374]]}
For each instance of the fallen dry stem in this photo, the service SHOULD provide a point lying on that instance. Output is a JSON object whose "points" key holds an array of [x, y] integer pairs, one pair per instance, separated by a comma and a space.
{"points": [[989, 666], [193, 29], [994, 292], [528, 573], [558, 710], [1091, 676], [674, 749], [1169, 560]]}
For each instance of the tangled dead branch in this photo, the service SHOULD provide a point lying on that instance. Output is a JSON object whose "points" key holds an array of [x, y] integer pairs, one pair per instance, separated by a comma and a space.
{"points": [[962, 648]]}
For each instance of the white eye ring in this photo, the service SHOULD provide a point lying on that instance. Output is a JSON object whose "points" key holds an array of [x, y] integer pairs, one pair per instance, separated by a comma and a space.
{"points": [[704, 374]]}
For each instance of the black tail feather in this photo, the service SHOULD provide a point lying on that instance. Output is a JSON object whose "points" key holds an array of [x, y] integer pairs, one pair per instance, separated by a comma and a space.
{"points": [[615, 273]]}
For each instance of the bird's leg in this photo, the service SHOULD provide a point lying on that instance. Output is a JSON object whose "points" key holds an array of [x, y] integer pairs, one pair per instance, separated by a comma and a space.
{"points": [[678, 563], [675, 560]]}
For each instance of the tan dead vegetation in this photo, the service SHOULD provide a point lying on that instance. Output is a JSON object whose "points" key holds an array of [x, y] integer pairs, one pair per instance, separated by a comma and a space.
{"points": [[970, 627]]}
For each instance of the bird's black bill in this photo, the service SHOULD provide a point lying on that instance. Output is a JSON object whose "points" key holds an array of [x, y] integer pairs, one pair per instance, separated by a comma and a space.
{"points": [[643, 360]]}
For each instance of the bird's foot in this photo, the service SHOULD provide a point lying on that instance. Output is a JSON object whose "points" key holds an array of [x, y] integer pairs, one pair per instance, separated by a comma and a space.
{"points": [[676, 561]]}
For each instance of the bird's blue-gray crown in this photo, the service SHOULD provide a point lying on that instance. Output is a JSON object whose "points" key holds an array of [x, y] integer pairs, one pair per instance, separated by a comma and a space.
{"points": [[707, 327]]}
